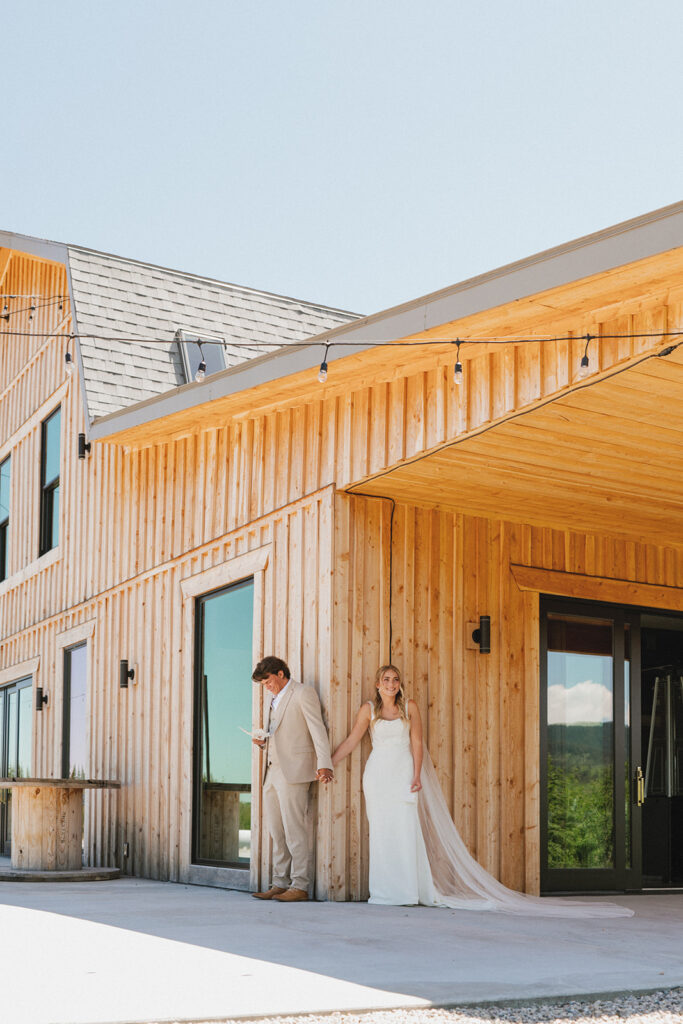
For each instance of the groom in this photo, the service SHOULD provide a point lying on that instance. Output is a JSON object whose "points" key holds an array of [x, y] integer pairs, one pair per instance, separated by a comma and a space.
{"points": [[297, 753]]}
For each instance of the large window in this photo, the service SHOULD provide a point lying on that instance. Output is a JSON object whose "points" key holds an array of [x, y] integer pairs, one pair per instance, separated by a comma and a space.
{"points": [[223, 701], [74, 742], [212, 351], [49, 481], [4, 517], [580, 760], [16, 718]]}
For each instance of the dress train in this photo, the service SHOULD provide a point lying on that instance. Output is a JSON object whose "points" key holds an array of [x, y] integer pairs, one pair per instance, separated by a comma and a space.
{"points": [[416, 853]]}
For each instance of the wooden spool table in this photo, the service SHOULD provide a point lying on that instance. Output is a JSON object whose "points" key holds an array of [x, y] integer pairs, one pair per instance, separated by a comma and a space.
{"points": [[47, 830]]}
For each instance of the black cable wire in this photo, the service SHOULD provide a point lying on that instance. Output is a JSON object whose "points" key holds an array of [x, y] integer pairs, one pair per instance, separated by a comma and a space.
{"points": [[310, 343], [385, 497]]}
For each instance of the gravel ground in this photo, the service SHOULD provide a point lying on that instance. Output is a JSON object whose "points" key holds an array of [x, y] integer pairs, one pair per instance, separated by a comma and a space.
{"points": [[664, 1007]]}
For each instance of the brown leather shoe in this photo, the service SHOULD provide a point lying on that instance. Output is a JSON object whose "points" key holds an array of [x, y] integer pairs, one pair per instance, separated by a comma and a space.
{"points": [[292, 896], [272, 893]]}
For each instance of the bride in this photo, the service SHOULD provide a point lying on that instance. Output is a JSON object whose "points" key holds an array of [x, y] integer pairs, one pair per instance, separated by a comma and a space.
{"points": [[416, 853]]}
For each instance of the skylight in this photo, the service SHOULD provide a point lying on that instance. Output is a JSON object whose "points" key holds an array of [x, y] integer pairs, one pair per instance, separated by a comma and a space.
{"points": [[214, 354]]}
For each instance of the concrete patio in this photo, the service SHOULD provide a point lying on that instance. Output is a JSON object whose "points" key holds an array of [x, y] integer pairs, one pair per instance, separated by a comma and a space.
{"points": [[136, 950]]}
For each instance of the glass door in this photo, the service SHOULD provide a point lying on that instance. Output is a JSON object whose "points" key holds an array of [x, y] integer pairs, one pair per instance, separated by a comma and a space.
{"points": [[223, 709], [662, 743], [590, 754], [16, 728]]}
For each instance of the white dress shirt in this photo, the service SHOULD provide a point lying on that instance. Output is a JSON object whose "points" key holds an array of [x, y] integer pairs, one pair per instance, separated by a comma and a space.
{"points": [[278, 696]]}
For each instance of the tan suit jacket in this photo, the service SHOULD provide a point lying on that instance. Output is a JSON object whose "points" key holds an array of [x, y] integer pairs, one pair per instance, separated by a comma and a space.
{"points": [[299, 735]]}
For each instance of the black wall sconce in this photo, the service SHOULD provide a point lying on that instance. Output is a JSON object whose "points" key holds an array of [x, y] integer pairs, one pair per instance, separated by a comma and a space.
{"points": [[83, 446], [125, 674], [41, 698], [482, 636]]}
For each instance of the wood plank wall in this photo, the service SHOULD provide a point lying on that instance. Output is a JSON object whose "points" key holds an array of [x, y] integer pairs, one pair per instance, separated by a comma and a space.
{"points": [[480, 711], [134, 523], [142, 736], [126, 511]]}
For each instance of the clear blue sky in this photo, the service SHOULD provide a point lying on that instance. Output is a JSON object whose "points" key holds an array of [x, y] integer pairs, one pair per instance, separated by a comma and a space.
{"points": [[355, 153]]}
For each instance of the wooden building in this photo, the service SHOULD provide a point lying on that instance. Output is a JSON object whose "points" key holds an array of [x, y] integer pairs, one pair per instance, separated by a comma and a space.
{"points": [[384, 514]]}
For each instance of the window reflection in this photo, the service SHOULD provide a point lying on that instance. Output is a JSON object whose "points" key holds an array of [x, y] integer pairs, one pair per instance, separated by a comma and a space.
{"points": [[580, 724], [25, 732], [16, 728], [223, 707], [75, 692]]}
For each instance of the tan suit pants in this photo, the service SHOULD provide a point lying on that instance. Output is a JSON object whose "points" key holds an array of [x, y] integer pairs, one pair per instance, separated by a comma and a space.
{"points": [[286, 812]]}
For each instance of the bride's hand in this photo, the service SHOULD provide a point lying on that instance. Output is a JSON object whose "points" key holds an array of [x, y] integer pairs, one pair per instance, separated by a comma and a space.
{"points": [[415, 786]]}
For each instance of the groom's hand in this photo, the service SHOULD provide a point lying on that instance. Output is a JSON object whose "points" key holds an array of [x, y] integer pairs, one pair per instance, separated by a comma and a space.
{"points": [[324, 775]]}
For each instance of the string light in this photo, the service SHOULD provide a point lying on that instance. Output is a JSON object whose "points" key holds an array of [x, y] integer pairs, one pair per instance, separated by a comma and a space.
{"points": [[583, 371], [69, 365], [322, 373], [367, 343], [584, 368], [457, 370], [30, 309], [201, 369]]}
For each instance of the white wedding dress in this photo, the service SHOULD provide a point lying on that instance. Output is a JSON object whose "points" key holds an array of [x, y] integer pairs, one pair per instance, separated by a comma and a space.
{"points": [[416, 853]]}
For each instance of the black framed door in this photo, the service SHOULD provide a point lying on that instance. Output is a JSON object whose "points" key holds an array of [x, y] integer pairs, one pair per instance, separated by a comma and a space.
{"points": [[662, 748], [591, 771], [16, 731]]}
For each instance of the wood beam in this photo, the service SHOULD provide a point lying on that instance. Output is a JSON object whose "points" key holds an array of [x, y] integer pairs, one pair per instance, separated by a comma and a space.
{"points": [[597, 588]]}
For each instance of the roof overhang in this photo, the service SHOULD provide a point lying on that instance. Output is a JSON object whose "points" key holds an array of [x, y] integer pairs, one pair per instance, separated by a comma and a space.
{"points": [[550, 287], [41, 248], [605, 456]]}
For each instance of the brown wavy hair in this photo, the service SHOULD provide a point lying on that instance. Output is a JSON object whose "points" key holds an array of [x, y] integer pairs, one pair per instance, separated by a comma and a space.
{"points": [[400, 698]]}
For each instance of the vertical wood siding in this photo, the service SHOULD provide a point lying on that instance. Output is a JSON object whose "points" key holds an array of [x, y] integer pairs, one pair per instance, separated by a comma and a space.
{"points": [[480, 711], [135, 523]]}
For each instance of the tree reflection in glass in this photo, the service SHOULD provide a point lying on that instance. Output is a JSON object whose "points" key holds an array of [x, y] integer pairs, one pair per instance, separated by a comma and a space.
{"points": [[580, 743]]}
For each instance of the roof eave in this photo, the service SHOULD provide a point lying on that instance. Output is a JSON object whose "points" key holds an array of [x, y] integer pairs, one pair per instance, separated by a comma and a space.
{"points": [[637, 239]]}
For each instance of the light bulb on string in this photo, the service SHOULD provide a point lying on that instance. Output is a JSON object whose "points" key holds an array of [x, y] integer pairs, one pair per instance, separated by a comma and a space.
{"points": [[457, 370], [32, 309], [584, 367], [70, 366], [5, 312], [322, 372], [201, 369]]}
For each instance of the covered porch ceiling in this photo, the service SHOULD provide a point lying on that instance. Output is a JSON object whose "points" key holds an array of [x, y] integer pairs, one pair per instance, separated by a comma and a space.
{"points": [[607, 458]]}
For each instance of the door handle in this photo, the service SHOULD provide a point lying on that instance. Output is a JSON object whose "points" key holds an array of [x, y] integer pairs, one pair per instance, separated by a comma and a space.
{"points": [[640, 787]]}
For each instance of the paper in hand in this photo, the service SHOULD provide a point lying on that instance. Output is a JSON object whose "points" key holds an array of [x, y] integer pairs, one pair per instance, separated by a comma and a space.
{"points": [[257, 734]]}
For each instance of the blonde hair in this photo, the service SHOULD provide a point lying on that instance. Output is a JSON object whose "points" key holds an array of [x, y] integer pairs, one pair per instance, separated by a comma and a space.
{"points": [[400, 698]]}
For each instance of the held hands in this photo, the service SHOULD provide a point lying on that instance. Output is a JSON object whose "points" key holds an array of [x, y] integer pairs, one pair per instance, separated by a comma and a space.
{"points": [[324, 775]]}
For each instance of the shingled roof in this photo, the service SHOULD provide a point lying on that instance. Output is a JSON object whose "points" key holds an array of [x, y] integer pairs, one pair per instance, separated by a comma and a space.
{"points": [[120, 299]]}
